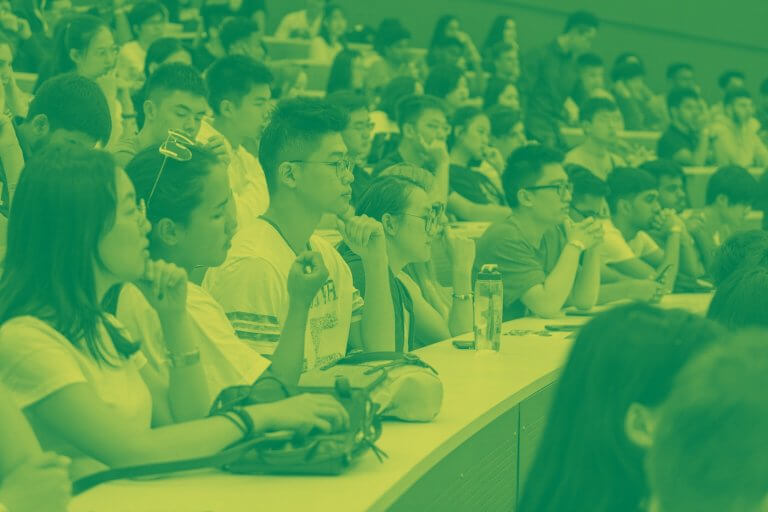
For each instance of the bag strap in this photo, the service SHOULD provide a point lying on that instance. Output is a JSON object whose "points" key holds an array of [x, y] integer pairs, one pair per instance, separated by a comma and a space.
{"points": [[220, 459], [399, 358]]}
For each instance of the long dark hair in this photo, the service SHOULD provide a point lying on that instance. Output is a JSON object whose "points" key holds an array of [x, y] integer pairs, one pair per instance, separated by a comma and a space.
{"points": [[438, 36], [64, 204], [387, 194], [340, 74], [496, 32], [327, 13], [630, 354], [74, 33]]}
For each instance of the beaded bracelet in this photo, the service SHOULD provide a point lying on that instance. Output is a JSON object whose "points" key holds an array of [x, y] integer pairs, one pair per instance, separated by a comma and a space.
{"points": [[463, 296]]}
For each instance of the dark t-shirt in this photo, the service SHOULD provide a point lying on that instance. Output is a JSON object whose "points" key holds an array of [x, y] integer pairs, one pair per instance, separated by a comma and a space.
{"points": [[401, 299], [391, 159], [362, 181], [673, 140], [522, 265], [474, 186]]}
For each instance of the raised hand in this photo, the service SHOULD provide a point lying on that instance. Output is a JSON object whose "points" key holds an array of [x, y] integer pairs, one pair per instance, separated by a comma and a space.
{"points": [[493, 157], [364, 235], [306, 276], [436, 151], [588, 232], [461, 251], [40, 484], [667, 221], [165, 287], [218, 146]]}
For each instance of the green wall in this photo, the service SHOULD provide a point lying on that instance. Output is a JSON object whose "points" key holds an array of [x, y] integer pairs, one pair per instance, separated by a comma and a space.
{"points": [[713, 35]]}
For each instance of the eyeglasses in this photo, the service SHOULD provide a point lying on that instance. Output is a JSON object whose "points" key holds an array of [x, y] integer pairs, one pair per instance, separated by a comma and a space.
{"points": [[176, 146], [431, 219], [343, 166], [587, 213], [563, 189]]}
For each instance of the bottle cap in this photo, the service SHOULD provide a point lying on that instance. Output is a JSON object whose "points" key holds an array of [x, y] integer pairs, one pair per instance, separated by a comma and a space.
{"points": [[489, 271]]}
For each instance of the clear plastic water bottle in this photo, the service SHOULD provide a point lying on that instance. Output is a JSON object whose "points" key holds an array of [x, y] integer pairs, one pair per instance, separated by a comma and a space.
{"points": [[489, 291]]}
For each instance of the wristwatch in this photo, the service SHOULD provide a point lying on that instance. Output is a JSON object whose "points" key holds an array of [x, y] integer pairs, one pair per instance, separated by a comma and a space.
{"points": [[581, 246]]}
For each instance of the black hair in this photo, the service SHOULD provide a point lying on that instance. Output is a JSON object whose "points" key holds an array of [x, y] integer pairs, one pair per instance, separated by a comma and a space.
{"points": [[493, 90], [676, 67], [627, 183], [447, 50], [178, 190], [75, 103], [74, 33], [410, 108], [442, 80], [386, 194], [593, 106], [236, 29], [664, 167], [340, 75], [727, 76], [172, 77], [745, 249], [144, 10], [232, 78], [327, 13], [503, 119], [295, 127], [708, 451], [734, 182], [462, 118], [496, 32], [389, 33], [397, 89], [584, 182], [581, 21], [348, 101], [677, 96], [160, 50], [627, 71], [499, 49], [524, 167], [589, 60], [735, 93], [438, 35], [630, 354]]}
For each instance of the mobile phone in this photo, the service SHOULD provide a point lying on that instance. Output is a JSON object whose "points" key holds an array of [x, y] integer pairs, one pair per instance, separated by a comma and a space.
{"points": [[663, 273], [562, 328], [464, 345]]}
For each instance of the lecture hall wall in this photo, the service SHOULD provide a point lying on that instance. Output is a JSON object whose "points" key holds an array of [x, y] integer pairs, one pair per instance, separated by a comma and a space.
{"points": [[711, 34]]}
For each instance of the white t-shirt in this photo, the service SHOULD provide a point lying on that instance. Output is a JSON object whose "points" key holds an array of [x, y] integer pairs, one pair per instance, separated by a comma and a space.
{"points": [[614, 248], [246, 178], [227, 360], [37, 361], [643, 245], [296, 23], [252, 288]]}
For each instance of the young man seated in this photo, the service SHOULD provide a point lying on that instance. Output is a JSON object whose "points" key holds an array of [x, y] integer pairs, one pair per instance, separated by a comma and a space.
{"points": [[507, 129], [601, 121], [729, 198], [308, 175], [175, 100], [736, 138], [546, 260], [357, 137], [634, 204], [240, 97], [242, 36], [687, 139]]}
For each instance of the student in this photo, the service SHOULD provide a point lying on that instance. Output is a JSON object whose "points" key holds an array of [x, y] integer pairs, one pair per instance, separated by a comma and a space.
{"points": [[633, 96], [70, 366], [148, 20], [736, 139], [634, 205], [16, 100], [448, 29], [210, 48], [302, 24], [680, 75], [687, 140], [741, 299], [671, 179], [549, 75], [503, 30], [729, 197], [469, 149], [619, 371], [392, 43], [707, 452], [601, 121], [742, 250], [330, 41], [192, 215], [241, 36], [240, 97], [537, 249], [507, 130], [175, 100], [88, 48], [410, 223], [505, 62], [448, 83], [357, 137], [385, 117], [591, 82], [501, 92], [30, 480], [347, 72], [303, 155]]}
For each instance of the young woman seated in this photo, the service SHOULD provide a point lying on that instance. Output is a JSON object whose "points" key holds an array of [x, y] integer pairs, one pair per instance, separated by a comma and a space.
{"points": [[76, 231]]}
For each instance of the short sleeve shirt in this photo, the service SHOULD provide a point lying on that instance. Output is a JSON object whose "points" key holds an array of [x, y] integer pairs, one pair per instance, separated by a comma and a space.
{"points": [[673, 140], [522, 265], [252, 288]]}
